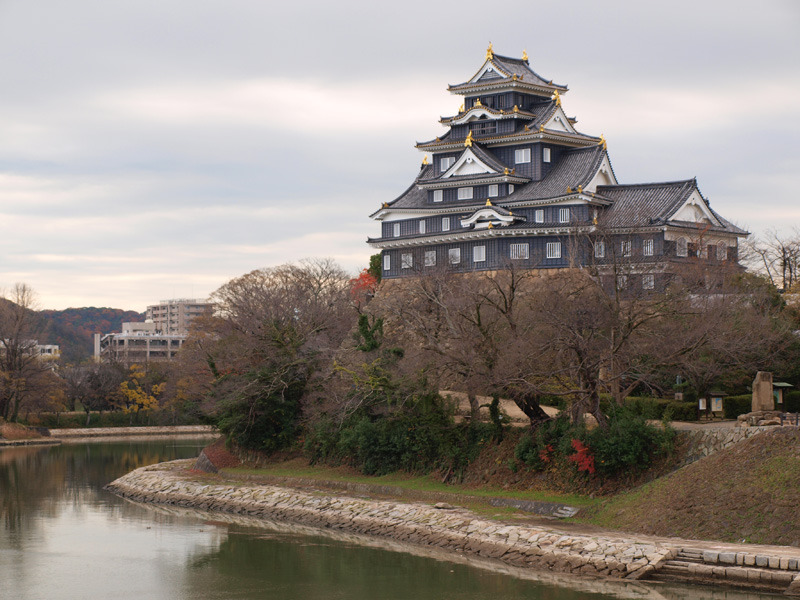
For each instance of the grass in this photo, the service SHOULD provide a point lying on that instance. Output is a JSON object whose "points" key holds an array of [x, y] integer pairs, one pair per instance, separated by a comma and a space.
{"points": [[412, 483]]}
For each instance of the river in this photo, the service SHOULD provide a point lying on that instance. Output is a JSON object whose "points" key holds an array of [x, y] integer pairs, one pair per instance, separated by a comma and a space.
{"points": [[64, 537]]}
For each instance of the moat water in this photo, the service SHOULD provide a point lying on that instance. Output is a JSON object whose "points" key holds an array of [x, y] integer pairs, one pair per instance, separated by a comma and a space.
{"points": [[64, 537]]}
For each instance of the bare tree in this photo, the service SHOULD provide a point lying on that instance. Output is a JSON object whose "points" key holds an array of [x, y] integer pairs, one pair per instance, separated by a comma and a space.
{"points": [[776, 256]]}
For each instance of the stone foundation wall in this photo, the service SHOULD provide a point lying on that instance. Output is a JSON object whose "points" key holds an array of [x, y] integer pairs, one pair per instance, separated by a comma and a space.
{"points": [[704, 442], [444, 527]]}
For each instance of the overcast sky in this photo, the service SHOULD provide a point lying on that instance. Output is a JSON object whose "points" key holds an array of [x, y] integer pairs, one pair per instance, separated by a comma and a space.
{"points": [[157, 149]]}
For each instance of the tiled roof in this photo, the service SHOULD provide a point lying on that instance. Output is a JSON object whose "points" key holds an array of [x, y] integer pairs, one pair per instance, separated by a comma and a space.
{"points": [[514, 66], [574, 168]]}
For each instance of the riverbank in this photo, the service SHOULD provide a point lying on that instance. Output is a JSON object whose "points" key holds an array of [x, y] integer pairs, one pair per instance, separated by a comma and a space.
{"points": [[106, 432], [603, 554]]}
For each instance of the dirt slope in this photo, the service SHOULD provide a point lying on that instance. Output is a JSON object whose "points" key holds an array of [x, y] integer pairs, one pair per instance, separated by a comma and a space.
{"points": [[750, 492]]}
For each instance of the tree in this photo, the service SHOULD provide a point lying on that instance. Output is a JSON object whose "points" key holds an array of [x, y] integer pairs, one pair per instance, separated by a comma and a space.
{"points": [[20, 366], [777, 256], [272, 331]]}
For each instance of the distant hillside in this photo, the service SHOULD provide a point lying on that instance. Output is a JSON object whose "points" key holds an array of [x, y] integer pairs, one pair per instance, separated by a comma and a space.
{"points": [[73, 329]]}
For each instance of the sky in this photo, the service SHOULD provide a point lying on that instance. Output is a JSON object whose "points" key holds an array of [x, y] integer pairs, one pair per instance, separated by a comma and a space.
{"points": [[156, 149]]}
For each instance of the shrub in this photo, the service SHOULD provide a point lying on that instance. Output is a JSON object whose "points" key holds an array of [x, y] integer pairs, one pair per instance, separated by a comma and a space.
{"points": [[649, 408], [681, 411], [791, 401], [733, 406]]}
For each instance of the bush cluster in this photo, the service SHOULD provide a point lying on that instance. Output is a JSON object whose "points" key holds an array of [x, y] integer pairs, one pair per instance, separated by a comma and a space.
{"points": [[628, 444], [733, 406]]}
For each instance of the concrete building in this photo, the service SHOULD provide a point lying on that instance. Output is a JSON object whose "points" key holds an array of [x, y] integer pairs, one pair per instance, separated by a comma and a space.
{"points": [[176, 316], [138, 343]]}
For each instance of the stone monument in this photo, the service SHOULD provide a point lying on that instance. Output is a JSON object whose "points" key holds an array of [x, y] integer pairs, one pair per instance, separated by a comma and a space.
{"points": [[762, 392]]}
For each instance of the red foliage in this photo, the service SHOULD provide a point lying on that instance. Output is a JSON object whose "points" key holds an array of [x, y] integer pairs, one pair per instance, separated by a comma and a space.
{"points": [[583, 457], [363, 287], [546, 455]]}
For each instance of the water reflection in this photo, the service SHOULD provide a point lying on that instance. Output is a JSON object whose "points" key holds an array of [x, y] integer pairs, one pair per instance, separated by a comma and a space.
{"points": [[64, 537]]}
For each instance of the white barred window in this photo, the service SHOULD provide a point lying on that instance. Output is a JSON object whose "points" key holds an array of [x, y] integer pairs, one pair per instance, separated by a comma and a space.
{"points": [[493, 190], [553, 250], [430, 258], [622, 282], [387, 262], [446, 162], [563, 215], [396, 230], [522, 155], [539, 215], [600, 249], [519, 251], [648, 281], [625, 247], [454, 255], [681, 247], [722, 251], [479, 254], [510, 188], [465, 193], [438, 195], [406, 261], [445, 223], [422, 226], [546, 155], [647, 247]]}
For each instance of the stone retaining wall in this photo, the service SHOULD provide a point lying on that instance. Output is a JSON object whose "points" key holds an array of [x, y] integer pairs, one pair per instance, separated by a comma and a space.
{"points": [[451, 529], [704, 442], [133, 431]]}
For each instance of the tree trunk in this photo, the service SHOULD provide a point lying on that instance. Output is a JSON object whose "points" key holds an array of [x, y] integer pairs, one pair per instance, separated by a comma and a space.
{"points": [[474, 408], [529, 404]]}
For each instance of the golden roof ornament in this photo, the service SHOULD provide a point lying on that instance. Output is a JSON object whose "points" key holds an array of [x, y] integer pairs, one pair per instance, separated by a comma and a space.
{"points": [[557, 98], [505, 171], [580, 189], [527, 128], [461, 108], [490, 226], [602, 142], [425, 160], [541, 128], [488, 202], [468, 141], [385, 205], [569, 190], [514, 77], [525, 55], [516, 108], [478, 102], [489, 52]]}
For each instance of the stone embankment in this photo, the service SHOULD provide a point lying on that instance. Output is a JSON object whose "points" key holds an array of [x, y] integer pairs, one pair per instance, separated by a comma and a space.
{"points": [[89, 432], [460, 531], [707, 441]]}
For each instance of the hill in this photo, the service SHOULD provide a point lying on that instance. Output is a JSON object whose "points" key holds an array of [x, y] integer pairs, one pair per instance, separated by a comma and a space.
{"points": [[748, 492], [73, 329]]}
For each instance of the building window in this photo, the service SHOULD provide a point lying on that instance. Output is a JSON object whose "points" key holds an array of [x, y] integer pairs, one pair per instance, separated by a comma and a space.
{"points": [[622, 282], [465, 193], [430, 258], [454, 255], [722, 251], [438, 195], [493, 190], [538, 216], [546, 154], [406, 261], [445, 223], [600, 249], [422, 226], [522, 155], [625, 248], [396, 230], [387, 262], [647, 247], [446, 162], [479, 254], [648, 281], [510, 188], [681, 247], [518, 251], [563, 215], [553, 250]]}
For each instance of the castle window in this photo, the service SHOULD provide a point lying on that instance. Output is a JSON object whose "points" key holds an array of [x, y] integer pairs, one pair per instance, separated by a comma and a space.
{"points": [[625, 248], [454, 255], [518, 251], [522, 155], [546, 155], [600, 249], [622, 282], [493, 190], [538, 216], [479, 254], [563, 215], [722, 251], [396, 230], [406, 261], [446, 162], [422, 226], [648, 281], [681, 247], [430, 258], [387, 262], [553, 250], [510, 188], [465, 193], [647, 247], [445, 223], [438, 195]]}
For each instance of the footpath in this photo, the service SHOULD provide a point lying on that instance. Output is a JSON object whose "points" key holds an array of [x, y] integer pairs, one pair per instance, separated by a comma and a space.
{"points": [[598, 554]]}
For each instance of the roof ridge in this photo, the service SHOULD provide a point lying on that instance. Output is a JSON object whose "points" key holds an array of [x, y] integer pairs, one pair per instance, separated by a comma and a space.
{"points": [[651, 183]]}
